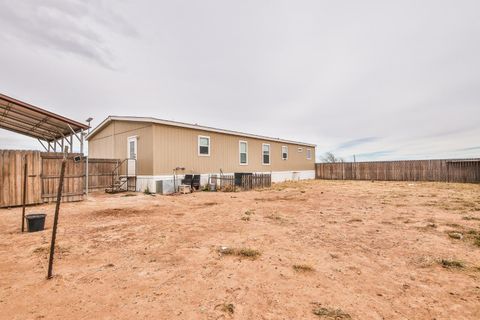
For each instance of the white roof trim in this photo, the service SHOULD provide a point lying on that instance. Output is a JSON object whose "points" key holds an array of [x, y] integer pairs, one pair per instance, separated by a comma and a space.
{"points": [[190, 126]]}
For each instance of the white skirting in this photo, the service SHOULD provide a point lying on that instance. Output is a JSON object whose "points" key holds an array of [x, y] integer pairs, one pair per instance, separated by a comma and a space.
{"points": [[144, 182]]}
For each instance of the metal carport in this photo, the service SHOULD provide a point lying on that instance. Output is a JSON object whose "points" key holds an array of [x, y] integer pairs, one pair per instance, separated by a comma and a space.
{"points": [[49, 128]]}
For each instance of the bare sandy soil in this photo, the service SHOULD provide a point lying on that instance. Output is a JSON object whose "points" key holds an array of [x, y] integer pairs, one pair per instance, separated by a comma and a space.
{"points": [[360, 250]]}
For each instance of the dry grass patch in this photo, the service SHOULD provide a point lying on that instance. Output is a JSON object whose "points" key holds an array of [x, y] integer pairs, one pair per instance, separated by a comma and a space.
{"points": [[226, 307], [303, 268], [471, 218], [60, 251], [227, 188], [471, 235], [477, 241], [285, 198], [288, 185], [212, 203], [475, 236], [455, 235], [423, 261], [116, 212], [451, 264], [330, 313], [275, 217], [454, 205], [453, 225], [249, 212], [240, 252], [467, 204]]}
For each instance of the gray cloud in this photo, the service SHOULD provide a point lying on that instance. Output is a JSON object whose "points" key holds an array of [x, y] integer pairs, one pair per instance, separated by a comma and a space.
{"points": [[373, 155], [356, 142], [470, 149], [330, 73], [66, 26]]}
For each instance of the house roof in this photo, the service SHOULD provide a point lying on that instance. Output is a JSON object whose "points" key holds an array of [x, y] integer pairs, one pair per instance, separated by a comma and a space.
{"points": [[35, 122], [189, 126]]}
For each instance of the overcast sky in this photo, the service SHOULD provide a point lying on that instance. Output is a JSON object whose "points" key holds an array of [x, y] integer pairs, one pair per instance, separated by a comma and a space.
{"points": [[378, 79]]}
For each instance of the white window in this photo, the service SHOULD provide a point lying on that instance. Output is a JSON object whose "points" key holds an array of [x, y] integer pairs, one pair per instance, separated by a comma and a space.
{"points": [[300, 149], [284, 152], [243, 150], [309, 154], [203, 146], [265, 153]]}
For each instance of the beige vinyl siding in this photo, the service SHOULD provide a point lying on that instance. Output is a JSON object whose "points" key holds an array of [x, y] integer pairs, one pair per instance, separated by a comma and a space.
{"points": [[161, 148], [178, 147], [112, 143], [101, 146]]}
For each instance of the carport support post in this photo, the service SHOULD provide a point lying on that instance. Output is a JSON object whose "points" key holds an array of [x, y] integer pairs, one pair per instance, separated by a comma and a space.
{"points": [[24, 196], [55, 218], [86, 176]]}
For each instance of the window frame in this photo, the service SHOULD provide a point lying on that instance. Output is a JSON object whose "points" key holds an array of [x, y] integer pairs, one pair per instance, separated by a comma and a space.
{"points": [[240, 152], [286, 148], [209, 146], [269, 154], [133, 139], [309, 154]]}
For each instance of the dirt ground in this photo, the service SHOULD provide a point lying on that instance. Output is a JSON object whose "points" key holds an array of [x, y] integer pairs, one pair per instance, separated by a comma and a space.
{"points": [[308, 250]]}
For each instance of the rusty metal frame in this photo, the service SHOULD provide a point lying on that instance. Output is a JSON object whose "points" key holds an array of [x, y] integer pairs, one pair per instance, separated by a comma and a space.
{"points": [[49, 128]]}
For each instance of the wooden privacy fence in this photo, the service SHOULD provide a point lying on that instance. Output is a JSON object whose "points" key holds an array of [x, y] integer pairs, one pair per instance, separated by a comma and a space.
{"points": [[255, 181], [223, 182], [11, 177], [446, 170], [74, 180], [43, 175], [245, 181], [101, 173]]}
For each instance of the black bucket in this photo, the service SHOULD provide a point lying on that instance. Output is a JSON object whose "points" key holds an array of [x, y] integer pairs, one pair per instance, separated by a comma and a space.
{"points": [[35, 222]]}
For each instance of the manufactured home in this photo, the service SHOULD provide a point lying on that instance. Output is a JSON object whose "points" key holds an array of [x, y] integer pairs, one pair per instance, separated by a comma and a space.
{"points": [[157, 149]]}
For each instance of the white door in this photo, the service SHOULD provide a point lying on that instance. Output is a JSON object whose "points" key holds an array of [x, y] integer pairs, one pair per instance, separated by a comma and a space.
{"points": [[132, 156]]}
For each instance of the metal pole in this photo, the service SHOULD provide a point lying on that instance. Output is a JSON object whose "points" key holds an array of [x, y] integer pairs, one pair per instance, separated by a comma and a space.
{"points": [[55, 219], [86, 176], [24, 200], [86, 159], [81, 141], [42, 145]]}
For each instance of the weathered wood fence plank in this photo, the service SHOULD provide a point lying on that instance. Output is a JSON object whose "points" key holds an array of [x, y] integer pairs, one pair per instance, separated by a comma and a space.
{"points": [[43, 172], [100, 173], [11, 164], [74, 182], [447, 170]]}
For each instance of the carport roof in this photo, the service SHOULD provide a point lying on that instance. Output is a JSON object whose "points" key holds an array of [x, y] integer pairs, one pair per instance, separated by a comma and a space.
{"points": [[35, 122]]}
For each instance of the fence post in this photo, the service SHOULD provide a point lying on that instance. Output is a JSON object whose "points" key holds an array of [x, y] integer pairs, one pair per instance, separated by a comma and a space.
{"points": [[24, 198], [86, 177], [448, 171], [55, 218]]}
